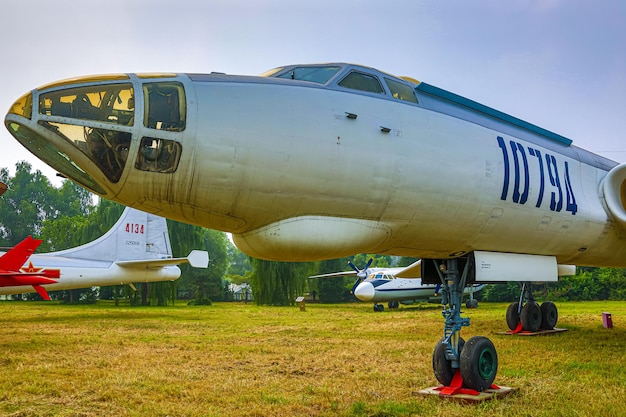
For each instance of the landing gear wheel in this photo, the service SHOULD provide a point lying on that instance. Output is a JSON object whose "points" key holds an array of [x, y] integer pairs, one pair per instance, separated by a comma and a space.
{"points": [[549, 315], [531, 317], [441, 365], [512, 316], [478, 363], [393, 305], [471, 303], [379, 308]]}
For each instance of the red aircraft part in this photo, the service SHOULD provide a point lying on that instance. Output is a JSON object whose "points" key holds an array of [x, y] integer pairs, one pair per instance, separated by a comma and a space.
{"points": [[15, 280], [14, 259], [13, 274]]}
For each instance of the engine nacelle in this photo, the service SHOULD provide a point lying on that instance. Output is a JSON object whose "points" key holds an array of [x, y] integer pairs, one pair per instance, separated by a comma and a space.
{"points": [[613, 192], [312, 237]]}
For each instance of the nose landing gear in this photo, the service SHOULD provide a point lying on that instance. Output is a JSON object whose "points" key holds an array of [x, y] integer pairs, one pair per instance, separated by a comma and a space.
{"points": [[458, 365]]}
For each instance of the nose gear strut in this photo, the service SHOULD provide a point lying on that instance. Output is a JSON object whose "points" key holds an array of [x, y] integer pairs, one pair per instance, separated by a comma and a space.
{"points": [[472, 365]]}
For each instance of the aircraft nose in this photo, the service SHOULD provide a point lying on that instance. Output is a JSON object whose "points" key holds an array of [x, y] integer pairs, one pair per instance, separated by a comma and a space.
{"points": [[90, 130], [364, 291]]}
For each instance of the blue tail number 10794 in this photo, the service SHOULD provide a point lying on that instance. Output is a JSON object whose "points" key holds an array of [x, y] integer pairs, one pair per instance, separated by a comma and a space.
{"points": [[517, 163]]}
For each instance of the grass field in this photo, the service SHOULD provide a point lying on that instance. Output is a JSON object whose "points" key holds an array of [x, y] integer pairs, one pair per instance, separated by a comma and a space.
{"points": [[330, 360]]}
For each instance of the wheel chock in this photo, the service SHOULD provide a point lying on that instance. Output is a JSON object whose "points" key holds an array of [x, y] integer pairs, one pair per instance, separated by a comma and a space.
{"points": [[540, 332], [456, 391]]}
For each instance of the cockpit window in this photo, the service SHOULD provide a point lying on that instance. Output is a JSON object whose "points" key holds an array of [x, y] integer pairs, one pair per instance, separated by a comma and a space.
{"points": [[158, 155], [108, 149], [165, 106], [401, 91], [109, 103], [363, 82], [23, 106], [319, 75], [36, 143]]}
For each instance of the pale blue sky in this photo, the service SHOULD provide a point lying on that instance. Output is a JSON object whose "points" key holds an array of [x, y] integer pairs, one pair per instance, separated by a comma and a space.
{"points": [[560, 64]]}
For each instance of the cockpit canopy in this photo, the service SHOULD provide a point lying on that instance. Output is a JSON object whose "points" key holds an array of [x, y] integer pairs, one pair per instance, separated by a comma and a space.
{"points": [[381, 276], [353, 77]]}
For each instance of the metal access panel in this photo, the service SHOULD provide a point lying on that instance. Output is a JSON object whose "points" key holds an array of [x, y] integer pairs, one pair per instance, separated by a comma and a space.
{"points": [[501, 267], [492, 267]]}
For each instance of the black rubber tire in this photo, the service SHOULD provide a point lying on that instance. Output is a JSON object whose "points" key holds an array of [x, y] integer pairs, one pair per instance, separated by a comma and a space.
{"points": [[549, 315], [378, 308], [393, 305], [479, 363], [441, 366], [531, 317], [512, 316]]}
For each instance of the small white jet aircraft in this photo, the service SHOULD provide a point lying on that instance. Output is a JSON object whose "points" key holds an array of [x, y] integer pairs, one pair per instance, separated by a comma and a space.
{"points": [[323, 161], [380, 285], [136, 249]]}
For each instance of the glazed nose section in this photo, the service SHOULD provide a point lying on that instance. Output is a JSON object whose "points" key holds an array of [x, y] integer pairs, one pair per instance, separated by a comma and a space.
{"points": [[90, 130], [364, 291], [80, 127]]}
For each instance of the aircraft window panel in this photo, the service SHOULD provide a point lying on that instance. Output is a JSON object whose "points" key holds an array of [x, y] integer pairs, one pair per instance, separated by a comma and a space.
{"points": [[54, 156], [401, 91], [108, 149], [23, 106], [158, 155], [319, 75], [110, 103], [363, 82], [165, 106], [272, 72]]}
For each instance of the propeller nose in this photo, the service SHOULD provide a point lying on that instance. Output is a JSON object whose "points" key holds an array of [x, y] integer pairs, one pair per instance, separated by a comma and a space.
{"points": [[364, 291]]}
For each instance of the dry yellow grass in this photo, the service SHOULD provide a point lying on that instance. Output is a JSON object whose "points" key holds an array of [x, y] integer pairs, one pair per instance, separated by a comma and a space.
{"points": [[244, 360]]}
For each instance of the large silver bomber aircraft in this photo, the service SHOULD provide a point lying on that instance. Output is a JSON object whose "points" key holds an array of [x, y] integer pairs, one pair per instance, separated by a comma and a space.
{"points": [[311, 162]]}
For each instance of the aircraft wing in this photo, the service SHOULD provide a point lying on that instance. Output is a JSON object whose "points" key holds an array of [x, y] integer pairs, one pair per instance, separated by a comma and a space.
{"points": [[196, 258], [334, 274], [412, 271]]}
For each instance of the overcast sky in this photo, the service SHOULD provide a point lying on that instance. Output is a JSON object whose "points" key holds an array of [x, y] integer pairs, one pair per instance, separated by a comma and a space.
{"points": [[560, 64]]}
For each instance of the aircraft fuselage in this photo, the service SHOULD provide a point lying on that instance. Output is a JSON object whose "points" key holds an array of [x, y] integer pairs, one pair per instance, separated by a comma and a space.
{"points": [[302, 169]]}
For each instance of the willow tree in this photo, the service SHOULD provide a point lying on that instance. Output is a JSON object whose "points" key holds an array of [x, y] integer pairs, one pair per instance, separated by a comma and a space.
{"points": [[204, 284], [278, 283], [332, 290]]}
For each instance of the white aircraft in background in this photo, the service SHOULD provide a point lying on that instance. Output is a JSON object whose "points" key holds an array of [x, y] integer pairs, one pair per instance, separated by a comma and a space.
{"points": [[310, 162], [136, 249], [380, 285]]}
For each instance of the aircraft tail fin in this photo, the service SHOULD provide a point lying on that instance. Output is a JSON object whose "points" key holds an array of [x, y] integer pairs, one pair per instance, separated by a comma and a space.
{"points": [[17, 256], [137, 235], [412, 271]]}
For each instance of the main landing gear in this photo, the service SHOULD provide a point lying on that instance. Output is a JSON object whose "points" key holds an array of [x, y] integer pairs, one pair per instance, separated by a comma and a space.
{"points": [[528, 315], [460, 365], [392, 305]]}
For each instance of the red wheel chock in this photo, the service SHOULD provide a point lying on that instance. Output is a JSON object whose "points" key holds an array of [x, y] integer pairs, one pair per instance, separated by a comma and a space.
{"points": [[456, 387], [518, 328]]}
